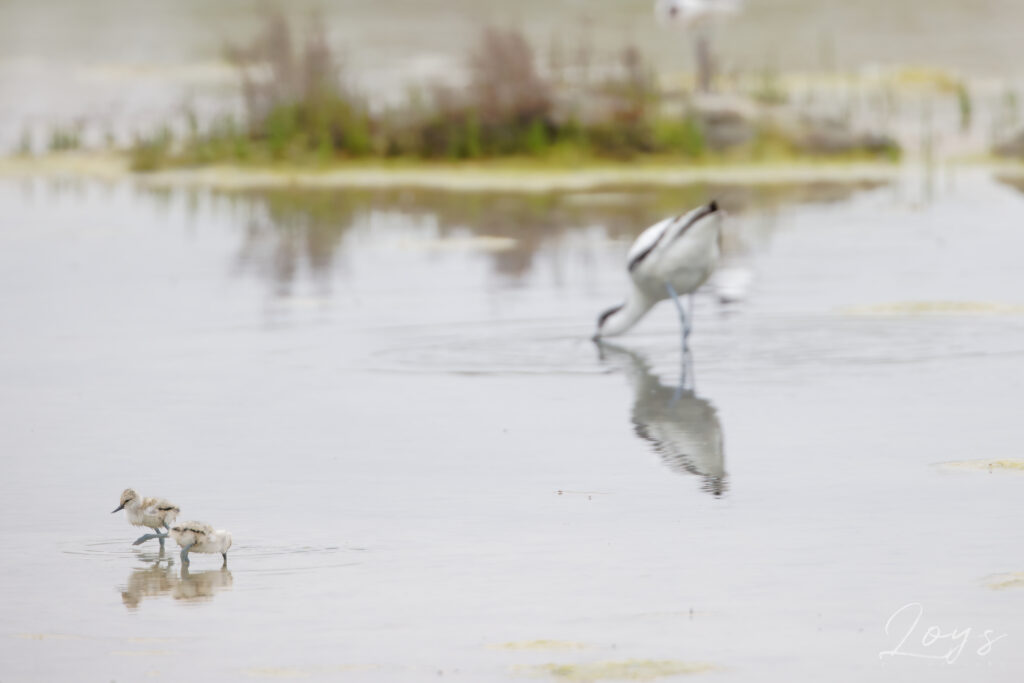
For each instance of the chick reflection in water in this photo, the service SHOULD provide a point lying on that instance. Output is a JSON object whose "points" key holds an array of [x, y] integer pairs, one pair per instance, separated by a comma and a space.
{"points": [[682, 427], [160, 578]]}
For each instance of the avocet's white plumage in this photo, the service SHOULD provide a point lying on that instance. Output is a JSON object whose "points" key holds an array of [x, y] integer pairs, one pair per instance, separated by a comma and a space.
{"points": [[201, 538], [671, 258], [149, 512]]}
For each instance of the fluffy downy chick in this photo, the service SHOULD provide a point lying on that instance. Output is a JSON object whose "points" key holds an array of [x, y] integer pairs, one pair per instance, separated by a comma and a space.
{"points": [[201, 538]]}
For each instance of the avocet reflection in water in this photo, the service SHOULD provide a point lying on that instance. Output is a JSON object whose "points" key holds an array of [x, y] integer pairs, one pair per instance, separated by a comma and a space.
{"points": [[159, 578], [680, 426]]}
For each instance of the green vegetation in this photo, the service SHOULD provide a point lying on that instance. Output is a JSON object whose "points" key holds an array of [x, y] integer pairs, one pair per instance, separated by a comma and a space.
{"points": [[65, 139], [963, 98], [299, 112], [151, 153], [25, 143]]}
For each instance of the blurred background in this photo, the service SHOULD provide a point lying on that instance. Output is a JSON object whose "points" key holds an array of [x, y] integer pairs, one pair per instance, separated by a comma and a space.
{"points": [[417, 78]]}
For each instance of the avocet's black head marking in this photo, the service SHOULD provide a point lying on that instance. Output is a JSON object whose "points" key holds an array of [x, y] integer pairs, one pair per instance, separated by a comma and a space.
{"points": [[700, 213]]}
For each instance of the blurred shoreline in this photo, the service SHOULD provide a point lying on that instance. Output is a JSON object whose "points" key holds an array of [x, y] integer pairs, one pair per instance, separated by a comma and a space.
{"points": [[297, 102], [497, 175]]}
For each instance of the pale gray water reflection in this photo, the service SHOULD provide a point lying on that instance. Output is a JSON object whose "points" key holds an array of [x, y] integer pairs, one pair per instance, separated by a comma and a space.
{"points": [[160, 578], [680, 426], [202, 584], [148, 582]]}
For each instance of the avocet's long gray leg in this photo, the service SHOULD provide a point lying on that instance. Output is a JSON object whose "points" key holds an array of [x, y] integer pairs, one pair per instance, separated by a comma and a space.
{"points": [[687, 381], [690, 316], [145, 537], [683, 318], [225, 556], [184, 553]]}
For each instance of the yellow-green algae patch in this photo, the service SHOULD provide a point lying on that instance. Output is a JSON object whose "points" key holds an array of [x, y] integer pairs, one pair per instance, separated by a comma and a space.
{"points": [[1003, 581], [540, 645], [627, 670], [276, 672], [478, 243], [995, 465], [511, 175], [936, 308]]}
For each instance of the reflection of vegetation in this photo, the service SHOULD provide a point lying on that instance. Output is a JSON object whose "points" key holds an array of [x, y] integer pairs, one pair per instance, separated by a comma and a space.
{"points": [[294, 231], [299, 110]]}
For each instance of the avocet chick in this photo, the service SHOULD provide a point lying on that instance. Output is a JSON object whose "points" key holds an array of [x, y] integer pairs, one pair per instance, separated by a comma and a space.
{"points": [[201, 538], [152, 512]]}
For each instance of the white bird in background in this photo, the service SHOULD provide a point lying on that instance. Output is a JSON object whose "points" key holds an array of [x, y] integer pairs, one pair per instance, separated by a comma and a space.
{"points": [[668, 259], [201, 538], [696, 16], [691, 13], [151, 512]]}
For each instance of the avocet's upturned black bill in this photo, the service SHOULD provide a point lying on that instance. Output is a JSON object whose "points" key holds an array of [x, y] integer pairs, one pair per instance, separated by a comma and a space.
{"points": [[668, 259]]}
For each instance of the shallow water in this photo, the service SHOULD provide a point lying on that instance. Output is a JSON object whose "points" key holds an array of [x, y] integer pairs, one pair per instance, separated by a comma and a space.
{"points": [[391, 400]]}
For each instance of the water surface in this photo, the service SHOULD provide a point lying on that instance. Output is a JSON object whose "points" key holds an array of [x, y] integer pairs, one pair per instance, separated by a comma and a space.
{"points": [[391, 400]]}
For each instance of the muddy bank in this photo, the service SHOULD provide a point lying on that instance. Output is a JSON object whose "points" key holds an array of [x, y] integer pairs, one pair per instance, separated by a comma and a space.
{"points": [[498, 176]]}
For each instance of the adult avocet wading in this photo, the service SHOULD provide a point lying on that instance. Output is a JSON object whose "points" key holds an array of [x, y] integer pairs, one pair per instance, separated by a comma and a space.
{"points": [[668, 259], [152, 512]]}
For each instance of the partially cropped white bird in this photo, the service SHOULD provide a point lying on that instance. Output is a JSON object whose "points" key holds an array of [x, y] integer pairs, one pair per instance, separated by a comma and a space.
{"points": [[697, 17], [201, 538], [668, 259], [690, 13], [150, 512]]}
